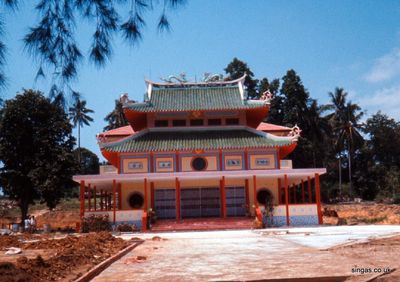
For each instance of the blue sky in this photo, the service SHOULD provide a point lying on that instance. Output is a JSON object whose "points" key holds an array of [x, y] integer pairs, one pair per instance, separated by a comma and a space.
{"points": [[350, 44]]}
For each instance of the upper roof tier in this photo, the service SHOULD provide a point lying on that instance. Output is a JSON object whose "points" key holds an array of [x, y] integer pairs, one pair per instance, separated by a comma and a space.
{"points": [[190, 96]]}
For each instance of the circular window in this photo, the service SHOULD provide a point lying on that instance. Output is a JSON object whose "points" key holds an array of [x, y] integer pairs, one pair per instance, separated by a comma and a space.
{"points": [[136, 200], [264, 196], [199, 164]]}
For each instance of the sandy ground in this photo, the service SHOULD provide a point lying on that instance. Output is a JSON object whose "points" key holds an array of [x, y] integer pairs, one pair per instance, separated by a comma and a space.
{"points": [[252, 255]]}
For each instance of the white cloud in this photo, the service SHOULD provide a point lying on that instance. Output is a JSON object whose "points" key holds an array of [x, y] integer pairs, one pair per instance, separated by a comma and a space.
{"points": [[385, 68], [386, 100]]}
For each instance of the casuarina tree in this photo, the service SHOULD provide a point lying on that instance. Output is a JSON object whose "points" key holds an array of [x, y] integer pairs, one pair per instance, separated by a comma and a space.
{"points": [[36, 150]]}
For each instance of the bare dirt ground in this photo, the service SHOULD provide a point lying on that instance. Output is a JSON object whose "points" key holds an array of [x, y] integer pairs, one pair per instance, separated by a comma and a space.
{"points": [[362, 213], [45, 258], [379, 256]]}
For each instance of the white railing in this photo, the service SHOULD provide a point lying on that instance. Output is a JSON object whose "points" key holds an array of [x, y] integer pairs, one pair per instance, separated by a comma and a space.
{"points": [[286, 164], [108, 169]]}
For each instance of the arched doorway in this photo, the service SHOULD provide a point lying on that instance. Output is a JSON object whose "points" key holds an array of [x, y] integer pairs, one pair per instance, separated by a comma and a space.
{"points": [[265, 197]]}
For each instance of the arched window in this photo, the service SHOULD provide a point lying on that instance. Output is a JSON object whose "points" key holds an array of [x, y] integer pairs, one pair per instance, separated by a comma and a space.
{"points": [[199, 163], [136, 200]]}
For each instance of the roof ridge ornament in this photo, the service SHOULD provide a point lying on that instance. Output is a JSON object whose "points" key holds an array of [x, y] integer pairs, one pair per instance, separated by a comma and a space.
{"points": [[213, 80], [181, 78], [267, 96], [295, 132], [208, 77]]}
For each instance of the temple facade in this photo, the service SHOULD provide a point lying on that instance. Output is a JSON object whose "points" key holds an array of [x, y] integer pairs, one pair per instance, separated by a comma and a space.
{"points": [[200, 150]]}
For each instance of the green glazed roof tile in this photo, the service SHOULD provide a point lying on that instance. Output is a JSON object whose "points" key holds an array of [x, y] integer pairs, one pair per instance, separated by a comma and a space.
{"points": [[194, 98], [192, 140]]}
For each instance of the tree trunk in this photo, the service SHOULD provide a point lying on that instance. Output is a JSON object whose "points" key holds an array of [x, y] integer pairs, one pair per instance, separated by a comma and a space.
{"points": [[24, 212], [79, 144], [350, 182], [340, 176]]}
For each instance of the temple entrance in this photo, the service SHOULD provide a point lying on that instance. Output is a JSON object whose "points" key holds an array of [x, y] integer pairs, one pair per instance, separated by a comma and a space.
{"points": [[164, 203], [200, 202], [235, 201]]}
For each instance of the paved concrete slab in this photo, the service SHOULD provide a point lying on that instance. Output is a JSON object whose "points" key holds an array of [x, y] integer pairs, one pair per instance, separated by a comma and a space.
{"points": [[241, 255]]}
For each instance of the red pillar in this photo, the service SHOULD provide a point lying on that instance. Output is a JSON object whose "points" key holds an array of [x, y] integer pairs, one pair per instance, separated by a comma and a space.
{"points": [[82, 198], [114, 200], [145, 194], [255, 191], [223, 197], [119, 196], [303, 196], [286, 183], [318, 198], [95, 197], [294, 193], [178, 199], [246, 187], [89, 197], [152, 194], [309, 190], [101, 199], [177, 161], [279, 191]]}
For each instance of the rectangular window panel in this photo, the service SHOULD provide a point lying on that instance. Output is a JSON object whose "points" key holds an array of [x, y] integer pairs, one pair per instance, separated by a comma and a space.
{"points": [[196, 122], [232, 121], [164, 164], [262, 161], [161, 123], [135, 165], [179, 122], [233, 162], [214, 121]]}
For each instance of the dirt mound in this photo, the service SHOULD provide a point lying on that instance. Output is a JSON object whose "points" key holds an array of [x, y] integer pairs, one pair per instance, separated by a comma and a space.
{"points": [[58, 219], [362, 213], [70, 254], [10, 273]]}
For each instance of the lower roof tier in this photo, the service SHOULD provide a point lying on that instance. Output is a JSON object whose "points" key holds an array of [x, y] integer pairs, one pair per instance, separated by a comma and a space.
{"points": [[184, 140]]}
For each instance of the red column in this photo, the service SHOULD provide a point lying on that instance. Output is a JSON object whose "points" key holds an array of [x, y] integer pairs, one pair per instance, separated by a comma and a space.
{"points": [[114, 187], [151, 162], [246, 160], [101, 199], [89, 197], [309, 190], [95, 197], [302, 192], [145, 194], [279, 191], [152, 194], [178, 199], [294, 193], [220, 160], [255, 191], [177, 161], [223, 197], [246, 187], [286, 183], [82, 198], [119, 196], [318, 198]]}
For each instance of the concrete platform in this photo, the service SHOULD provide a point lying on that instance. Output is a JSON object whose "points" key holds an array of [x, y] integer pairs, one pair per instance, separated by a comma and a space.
{"points": [[282, 253]]}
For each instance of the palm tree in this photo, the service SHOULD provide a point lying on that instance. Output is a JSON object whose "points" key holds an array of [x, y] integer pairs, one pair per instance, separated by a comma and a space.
{"points": [[319, 128], [345, 123], [116, 118], [80, 116]]}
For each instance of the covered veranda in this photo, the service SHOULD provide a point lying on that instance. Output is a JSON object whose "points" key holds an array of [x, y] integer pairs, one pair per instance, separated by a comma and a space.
{"points": [[295, 190]]}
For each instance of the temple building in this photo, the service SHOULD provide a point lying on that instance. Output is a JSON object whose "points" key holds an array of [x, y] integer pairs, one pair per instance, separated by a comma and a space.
{"points": [[200, 150]]}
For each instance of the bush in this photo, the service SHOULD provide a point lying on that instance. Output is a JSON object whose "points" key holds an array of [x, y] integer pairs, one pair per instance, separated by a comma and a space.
{"points": [[126, 227], [396, 199], [95, 223]]}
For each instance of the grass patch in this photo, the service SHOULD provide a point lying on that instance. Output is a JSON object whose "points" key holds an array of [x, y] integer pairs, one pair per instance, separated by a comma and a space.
{"points": [[372, 220]]}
